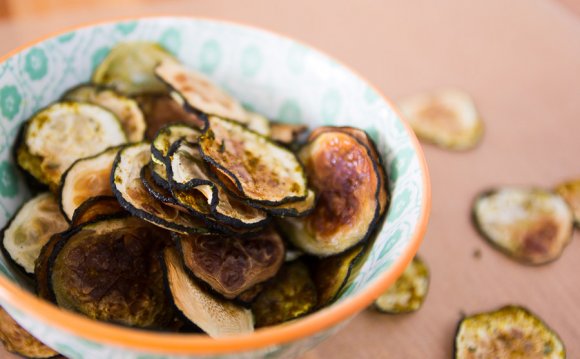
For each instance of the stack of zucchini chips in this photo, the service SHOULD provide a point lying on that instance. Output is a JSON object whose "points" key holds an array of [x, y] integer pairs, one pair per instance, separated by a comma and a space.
{"points": [[164, 204]]}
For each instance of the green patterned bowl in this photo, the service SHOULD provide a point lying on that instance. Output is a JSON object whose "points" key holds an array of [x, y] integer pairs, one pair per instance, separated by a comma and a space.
{"points": [[269, 73]]}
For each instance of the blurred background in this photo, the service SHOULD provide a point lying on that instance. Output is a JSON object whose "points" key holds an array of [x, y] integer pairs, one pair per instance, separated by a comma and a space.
{"points": [[520, 59]]}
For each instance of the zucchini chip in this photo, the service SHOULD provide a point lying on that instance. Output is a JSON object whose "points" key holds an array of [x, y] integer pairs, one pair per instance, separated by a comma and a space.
{"points": [[532, 226], [409, 291], [332, 274], [153, 188], [110, 271], [215, 316], [342, 170], [18, 341], [286, 133], [570, 191], [291, 294], [159, 173], [41, 267], [293, 209], [447, 118], [170, 134], [126, 109], [31, 228], [232, 264], [86, 178], [97, 208], [262, 171], [134, 197], [129, 68], [363, 138], [189, 174], [64, 132], [199, 92], [509, 332], [162, 109], [258, 123]]}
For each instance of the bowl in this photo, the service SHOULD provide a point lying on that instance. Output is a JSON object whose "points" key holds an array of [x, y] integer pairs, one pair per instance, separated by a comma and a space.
{"points": [[272, 74]]}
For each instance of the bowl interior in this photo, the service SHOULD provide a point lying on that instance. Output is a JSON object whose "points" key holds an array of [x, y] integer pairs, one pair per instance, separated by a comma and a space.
{"points": [[269, 74]]}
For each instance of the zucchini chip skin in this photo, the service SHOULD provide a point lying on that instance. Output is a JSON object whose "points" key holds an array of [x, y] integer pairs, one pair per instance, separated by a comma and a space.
{"points": [[86, 178], [232, 264], [532, 226], [97, 208], [409, 291], [290, 295], [342, 171], [110, 271], [153, 188], [509, 332], [199, 92], [62, 133], [134, 197], [262, 171], [126, 109], [170, 134], [18, 341], [215, 316], [446, 117], [129, 68], [29, 230]]}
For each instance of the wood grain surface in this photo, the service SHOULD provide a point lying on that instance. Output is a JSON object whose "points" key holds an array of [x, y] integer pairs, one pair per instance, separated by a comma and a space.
{"points": [[520, 60]]}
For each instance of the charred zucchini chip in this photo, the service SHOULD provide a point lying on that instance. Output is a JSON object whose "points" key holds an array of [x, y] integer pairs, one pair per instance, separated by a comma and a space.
{"points": [[409, 291], [286, 133], [134, 197], [110, 271], [570, 191], [41, 267], [31, 228], [363, 138], [532, 226], [170, 134], [447, 118], [162, 109], [332, 274], [86, 178], [215, 316], [126, 109], [129, 68], [64, 132], [343, 172], [291, 294], [18, 341], [189, 174], [258, 123], [233, 264], [262, 171], [199, 92], [293, 209], [509, 332], [97, 208], [153, 188]]}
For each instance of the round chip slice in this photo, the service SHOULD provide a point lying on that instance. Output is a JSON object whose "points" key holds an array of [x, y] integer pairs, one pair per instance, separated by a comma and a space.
{"points": [[129, 68], [262, 171], [31, 228], [409, 291], [510, 332], [199, 92], [18, 341], [447, 118], [570, 191], [343, 172], [62, 133], [233, 264], [126, 109], [134, 197], [215, 316], [532, 226], [86, 178]]}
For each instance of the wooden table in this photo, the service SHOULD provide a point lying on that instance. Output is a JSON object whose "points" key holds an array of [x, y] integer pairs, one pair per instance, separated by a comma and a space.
{"points": [[520, 60]]}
